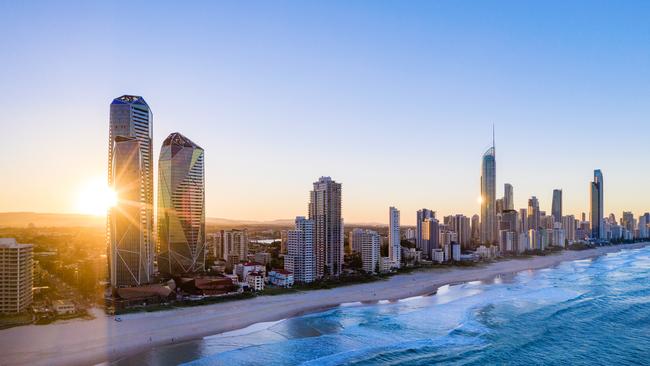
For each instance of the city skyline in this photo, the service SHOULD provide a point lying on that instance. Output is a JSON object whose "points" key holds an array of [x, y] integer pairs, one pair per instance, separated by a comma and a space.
{"points": [[292, 183], [519, 75]]}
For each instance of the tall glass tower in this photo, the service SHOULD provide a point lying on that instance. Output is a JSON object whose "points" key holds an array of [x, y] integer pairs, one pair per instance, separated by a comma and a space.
{"points": [[556, 208], [394, 238], [488, 197], [130, 174], [181, 207], [597, 206], [508, 200]]}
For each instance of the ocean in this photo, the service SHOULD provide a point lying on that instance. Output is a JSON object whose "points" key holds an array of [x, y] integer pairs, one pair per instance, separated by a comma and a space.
{"points": [[586, 312]]}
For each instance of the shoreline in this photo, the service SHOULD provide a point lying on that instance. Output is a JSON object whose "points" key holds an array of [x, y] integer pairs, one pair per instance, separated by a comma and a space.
{"points": [[83, 342]]}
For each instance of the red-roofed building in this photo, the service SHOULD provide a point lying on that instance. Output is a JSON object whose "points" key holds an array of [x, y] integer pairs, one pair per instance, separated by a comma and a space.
{"points": [[281, 278], [243, 269], [214, 285]]}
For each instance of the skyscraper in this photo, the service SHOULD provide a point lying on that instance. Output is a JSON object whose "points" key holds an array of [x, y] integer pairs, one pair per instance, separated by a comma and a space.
{"points": [[476, 228], [509, 221], [130, 174], [643, 226], [499, 206], [523, 220], [16, 276], [534, 215], [181, 206], [597, 206], [628, 221], [422, 215], [300, 251], [325, 210], [460, 225], [508, 197], [430, 237], [463, 230], [394, 238], [556, 209], [488, 197]]}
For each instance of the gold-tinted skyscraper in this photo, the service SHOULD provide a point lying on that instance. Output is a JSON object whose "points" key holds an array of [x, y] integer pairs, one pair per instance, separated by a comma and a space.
{"points": [[130, 174], [488, 197], [181, 207]]}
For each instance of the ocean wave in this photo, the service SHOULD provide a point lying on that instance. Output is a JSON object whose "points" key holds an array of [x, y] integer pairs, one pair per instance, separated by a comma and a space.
{"points": [[582, 312]]}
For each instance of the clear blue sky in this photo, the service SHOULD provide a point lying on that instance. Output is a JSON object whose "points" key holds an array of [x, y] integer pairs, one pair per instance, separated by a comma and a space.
{"points": [[394, 99]]}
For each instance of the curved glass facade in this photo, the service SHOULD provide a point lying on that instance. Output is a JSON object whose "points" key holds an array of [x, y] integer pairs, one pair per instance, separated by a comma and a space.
{"points": [[488, 197], [130, 174], [181, 207]]}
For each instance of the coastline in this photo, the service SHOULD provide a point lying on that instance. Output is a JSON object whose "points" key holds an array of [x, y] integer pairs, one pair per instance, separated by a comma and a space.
{"points": [[83, 342]]}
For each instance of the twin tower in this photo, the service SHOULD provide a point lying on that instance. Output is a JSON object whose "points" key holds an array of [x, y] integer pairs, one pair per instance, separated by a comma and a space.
{"points": [[179, 247]]}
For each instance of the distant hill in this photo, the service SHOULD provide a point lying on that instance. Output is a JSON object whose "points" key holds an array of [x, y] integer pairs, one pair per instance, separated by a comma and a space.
{"points": [[24, 219], [232, 223]]}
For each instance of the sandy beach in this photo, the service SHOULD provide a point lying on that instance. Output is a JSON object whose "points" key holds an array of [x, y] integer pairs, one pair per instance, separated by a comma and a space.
{"points": [[86, 342]]}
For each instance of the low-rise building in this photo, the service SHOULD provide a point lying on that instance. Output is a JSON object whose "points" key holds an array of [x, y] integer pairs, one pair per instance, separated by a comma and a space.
{"points": [[234, 278], [126, 297], [242, 270], [438, 255], [281, 278], [484, 252], [255, 281], [64, 307], [210, 286], [385, 264], [469, 257], [411, 256]]}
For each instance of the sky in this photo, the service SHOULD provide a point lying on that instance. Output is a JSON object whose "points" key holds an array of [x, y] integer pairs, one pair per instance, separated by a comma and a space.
{"points": [[395, 100]]}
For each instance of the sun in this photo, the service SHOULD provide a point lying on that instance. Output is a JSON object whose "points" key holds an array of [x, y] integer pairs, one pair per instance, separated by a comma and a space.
{"points": [[95, 197]]}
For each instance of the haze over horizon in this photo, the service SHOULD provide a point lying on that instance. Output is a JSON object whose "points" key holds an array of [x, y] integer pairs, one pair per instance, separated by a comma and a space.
{"points": [[396, 101]]}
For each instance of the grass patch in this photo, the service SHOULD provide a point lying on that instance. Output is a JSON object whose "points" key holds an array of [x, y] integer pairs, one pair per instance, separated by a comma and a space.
{"points": [[14, 320], [580, 246]]}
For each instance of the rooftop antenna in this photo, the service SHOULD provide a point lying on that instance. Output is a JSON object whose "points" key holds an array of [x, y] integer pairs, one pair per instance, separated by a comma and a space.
{"points": [[493, 135]]}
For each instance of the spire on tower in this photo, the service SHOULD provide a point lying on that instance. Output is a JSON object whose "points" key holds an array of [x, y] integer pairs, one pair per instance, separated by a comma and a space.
{"points": [[493, 135]]}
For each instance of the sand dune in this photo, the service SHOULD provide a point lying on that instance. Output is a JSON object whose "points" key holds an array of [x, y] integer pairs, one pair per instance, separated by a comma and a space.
{"points": [[80, 342]]}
